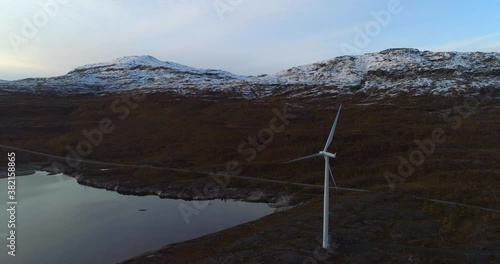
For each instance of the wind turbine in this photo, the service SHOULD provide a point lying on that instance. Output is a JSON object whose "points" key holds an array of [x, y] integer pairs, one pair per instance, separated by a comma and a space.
{"points": [[326, 199]]}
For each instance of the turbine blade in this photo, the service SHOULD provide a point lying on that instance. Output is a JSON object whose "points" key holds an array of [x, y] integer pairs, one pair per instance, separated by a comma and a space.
{"points": [[330, 137], [331, 174], [303, 158]]}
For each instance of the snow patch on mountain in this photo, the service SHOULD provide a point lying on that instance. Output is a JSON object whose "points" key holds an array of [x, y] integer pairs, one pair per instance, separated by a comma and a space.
{"points": [[127, 73], [399, 70], [387, 72]]}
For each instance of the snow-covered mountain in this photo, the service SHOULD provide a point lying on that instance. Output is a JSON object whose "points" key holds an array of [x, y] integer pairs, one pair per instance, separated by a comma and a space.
{"points": [[400, 70], [122, 74], [387, 72]]}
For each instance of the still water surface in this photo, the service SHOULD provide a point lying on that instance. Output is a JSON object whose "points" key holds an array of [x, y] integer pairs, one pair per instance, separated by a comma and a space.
{"points": [[60, 221]]}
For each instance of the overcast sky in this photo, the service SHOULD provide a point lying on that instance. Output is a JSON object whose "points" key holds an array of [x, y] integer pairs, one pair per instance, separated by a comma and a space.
{"points": [[240, 36]]}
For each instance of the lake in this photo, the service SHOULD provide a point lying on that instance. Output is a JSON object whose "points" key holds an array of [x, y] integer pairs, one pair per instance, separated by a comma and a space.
{"points": [[60, 221]]}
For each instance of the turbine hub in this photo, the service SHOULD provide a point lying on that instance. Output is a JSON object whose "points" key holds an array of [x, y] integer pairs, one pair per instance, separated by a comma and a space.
{"points": [[328, 154]]}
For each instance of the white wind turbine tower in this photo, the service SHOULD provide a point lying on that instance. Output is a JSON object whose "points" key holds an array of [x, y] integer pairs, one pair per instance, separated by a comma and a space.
{"points": [[326, 198]]}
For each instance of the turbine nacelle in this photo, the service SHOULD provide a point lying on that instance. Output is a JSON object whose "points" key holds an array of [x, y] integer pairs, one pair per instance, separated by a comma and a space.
{"points": [[328, 154]]}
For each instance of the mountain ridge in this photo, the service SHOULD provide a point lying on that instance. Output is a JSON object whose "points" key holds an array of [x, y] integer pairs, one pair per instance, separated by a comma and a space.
{"points": [[391, 71]]}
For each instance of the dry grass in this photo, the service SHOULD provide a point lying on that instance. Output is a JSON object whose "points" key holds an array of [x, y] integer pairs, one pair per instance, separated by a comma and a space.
{"points": [[204, 133]]}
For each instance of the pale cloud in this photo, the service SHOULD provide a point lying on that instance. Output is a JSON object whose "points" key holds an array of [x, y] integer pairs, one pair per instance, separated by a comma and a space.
{"points": [[255, 36], [296, 52], [492, 48], [11, 64], [247, 41], [488, 43]]}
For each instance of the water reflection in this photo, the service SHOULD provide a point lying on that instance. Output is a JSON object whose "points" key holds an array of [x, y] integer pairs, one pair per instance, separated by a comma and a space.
{"points": [[60, 221]]}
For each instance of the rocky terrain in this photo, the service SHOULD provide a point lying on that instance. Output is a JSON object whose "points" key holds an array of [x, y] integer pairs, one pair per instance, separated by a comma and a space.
{"points": [[200, 120], [396, 71], [385, 73], [194, 191], [365, 228]]}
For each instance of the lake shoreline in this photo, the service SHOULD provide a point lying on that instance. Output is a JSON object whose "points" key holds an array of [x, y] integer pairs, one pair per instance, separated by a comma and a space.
{"points": [[188, 191], [25, 169], [292, 232], [126, 225]]}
